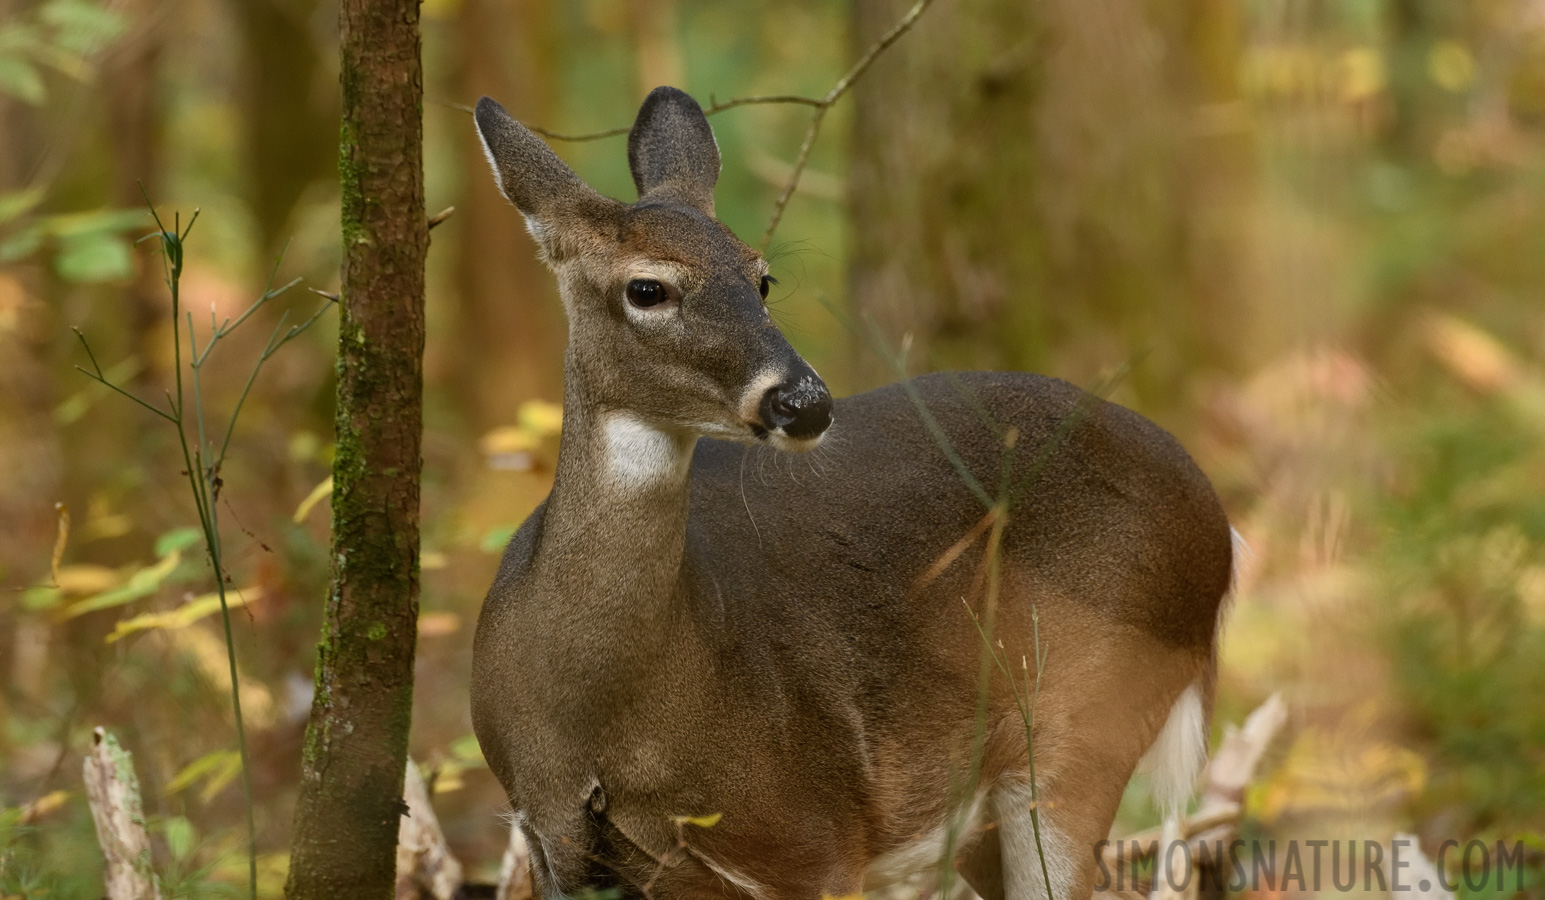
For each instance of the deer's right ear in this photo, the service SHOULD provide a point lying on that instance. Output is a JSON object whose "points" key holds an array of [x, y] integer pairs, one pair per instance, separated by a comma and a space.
{"points": [[545, 190]]}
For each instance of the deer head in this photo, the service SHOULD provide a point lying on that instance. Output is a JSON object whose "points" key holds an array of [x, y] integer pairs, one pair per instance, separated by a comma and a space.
{"points": [[668, 320]]}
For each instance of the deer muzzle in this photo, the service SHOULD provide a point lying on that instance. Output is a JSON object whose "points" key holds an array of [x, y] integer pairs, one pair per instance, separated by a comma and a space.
{"points": [[799, 408]]}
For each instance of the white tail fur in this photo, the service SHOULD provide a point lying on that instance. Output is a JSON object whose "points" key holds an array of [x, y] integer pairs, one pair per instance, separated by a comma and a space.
{"points": [[1178, 753], [1176, 758]]}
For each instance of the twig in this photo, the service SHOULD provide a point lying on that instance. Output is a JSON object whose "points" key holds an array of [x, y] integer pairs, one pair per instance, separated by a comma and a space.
{"points": [[820, 104], [440, 216], [61, 540], [825, 103], [714, 108]]}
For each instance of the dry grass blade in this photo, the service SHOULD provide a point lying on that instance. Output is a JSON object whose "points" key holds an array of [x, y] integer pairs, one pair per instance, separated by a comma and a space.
{"points": [[948, 557]]}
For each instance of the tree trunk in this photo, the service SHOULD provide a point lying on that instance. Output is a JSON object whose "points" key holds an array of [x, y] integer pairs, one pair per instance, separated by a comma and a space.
{"points": [[135, 119], [346, 818], [286, 112], [509, 329], [1024, 184]]}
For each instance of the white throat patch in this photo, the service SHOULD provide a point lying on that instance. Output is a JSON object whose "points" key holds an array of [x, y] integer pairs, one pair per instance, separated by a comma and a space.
{"points": [[640, 455]]}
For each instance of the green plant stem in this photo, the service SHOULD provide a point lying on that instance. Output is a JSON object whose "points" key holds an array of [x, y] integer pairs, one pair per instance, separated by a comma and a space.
{"points": [[202, 469]]}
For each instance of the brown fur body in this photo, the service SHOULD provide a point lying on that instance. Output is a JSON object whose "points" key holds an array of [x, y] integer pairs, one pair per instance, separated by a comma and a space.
{"points": [[694, 627], [794, 681]]}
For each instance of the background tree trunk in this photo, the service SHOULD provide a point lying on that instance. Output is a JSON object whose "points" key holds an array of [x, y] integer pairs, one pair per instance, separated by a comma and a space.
{"points": [[286, 111], [135, 119], [346, 818], [1019, 187], [509, 321]]}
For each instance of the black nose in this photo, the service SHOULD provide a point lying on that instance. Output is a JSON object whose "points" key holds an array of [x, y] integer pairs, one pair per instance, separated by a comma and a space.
{"points": [[801, 408]]}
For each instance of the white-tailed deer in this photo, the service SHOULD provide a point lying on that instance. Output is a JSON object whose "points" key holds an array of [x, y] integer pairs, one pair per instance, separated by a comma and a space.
{"points": [[793, 653]]}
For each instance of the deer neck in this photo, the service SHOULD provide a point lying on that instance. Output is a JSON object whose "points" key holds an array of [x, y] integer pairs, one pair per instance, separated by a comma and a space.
{"points": [[614, 531]]}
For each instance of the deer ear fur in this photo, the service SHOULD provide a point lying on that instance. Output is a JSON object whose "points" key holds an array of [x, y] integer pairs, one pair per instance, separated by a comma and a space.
{"points": [[672, 151], [545, 190]]}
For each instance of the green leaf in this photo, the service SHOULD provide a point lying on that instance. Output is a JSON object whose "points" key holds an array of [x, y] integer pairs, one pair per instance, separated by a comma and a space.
{"points": [[19, 203], [82, 224], [80, 26], [177, 540], [215, 769], [94, 257], [467, 749], [179, 836], [21, 244], [494, 541], [142, 583], [21, 80], [37, 599]]}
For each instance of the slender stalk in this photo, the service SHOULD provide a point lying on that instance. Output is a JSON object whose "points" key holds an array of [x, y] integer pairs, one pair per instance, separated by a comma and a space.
{"points": [[202, 471]]}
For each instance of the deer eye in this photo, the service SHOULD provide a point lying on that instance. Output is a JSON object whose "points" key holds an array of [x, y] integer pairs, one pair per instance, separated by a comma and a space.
{"points": [[767, 282], [646, 292]]}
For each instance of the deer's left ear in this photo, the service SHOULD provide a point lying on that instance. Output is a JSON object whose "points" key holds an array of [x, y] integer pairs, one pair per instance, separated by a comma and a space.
{"points": [[672, 150]]}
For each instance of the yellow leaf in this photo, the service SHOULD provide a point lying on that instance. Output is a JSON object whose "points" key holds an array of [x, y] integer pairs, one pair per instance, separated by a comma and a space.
{"points": [[700, 821], [215, 769], [1363, 73], [44, 805], [186, 614], [438, 624], [1450, 65], [450, 780], [507, 439], [1471, 353], [85, 579], [541, 418], [433, 559], [141, 584], [325, 489]]}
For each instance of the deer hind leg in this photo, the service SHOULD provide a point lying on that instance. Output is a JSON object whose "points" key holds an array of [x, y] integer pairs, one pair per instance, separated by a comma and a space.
{"points": [[1092, 728]]}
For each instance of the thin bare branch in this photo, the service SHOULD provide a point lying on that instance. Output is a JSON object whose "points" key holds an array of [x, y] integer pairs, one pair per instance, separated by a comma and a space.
{"points": [[843, 85], [96, 375], [902, 26], [820, 106], [578, 138], [228, 326], [715, 107], [792, 184]]}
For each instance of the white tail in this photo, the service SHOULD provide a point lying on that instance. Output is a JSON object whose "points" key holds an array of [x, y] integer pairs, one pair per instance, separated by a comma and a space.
{"points": [[1178, 753]]}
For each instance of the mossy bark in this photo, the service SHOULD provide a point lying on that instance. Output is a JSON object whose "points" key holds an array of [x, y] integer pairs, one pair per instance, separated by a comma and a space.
{"points": [[346, 818]]}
